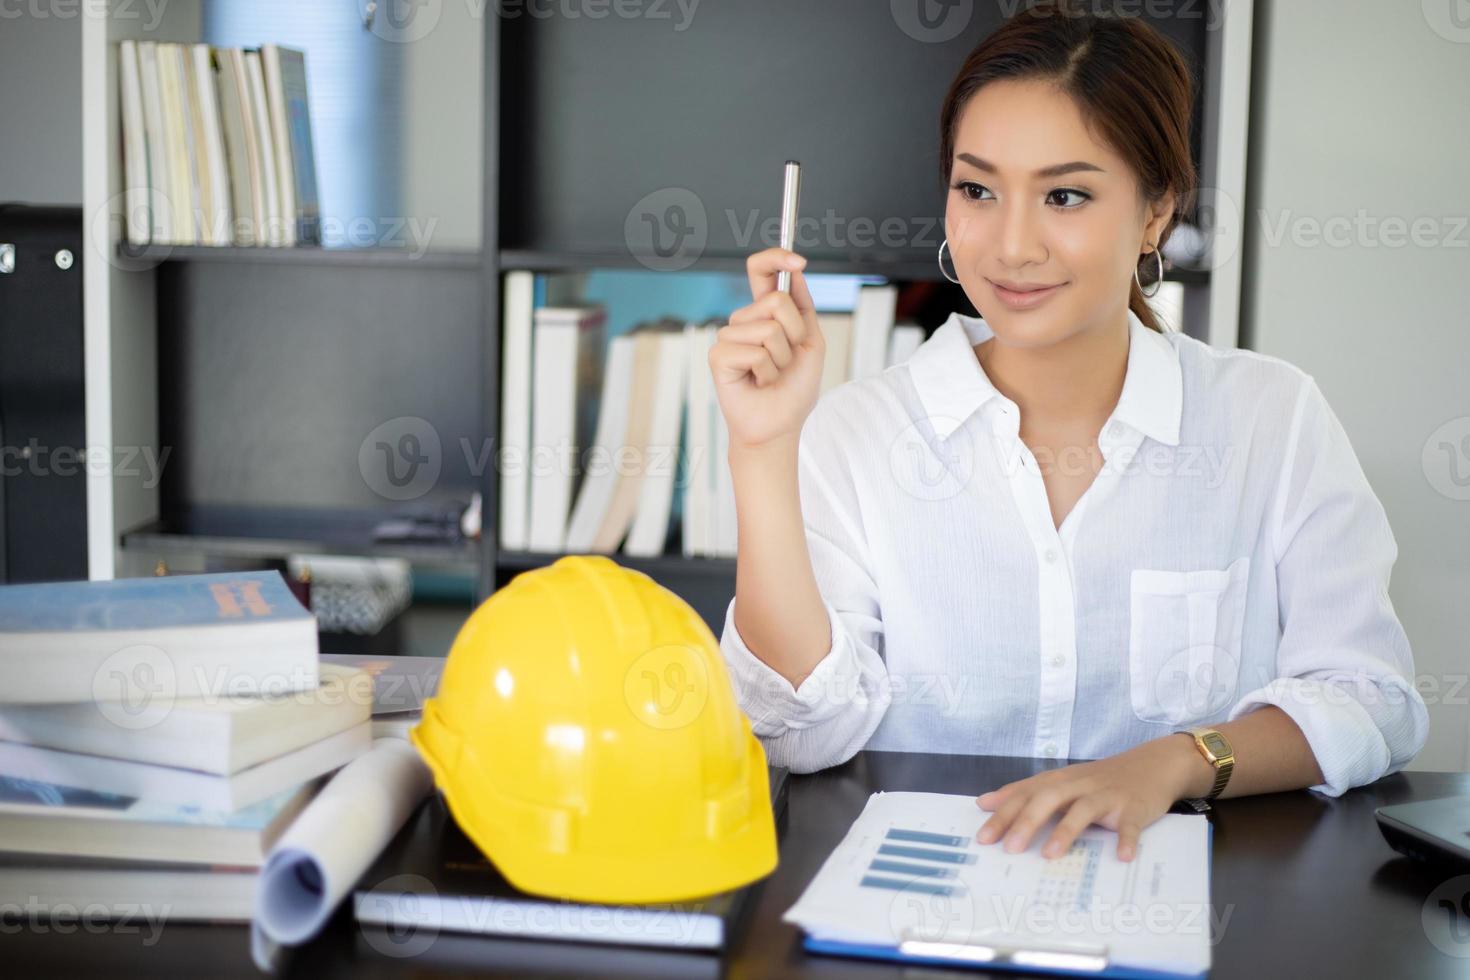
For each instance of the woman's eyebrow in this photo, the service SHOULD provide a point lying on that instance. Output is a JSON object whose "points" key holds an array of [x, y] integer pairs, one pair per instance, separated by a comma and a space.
{"points": [[1055, 170]]}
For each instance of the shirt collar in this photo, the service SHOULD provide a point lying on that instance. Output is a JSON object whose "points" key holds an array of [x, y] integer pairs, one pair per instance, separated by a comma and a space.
{"points": [[952, 385]]}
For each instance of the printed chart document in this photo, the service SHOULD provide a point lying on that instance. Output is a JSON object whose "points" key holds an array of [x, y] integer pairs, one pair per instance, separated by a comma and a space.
{"points": [[910, 881]]}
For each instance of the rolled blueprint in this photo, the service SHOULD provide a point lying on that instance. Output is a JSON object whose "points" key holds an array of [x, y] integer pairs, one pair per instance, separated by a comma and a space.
{"points": [[318, 860]]}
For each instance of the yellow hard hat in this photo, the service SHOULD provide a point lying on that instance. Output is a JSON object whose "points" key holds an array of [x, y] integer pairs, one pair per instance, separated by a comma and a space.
{"points": [[586, 737]]}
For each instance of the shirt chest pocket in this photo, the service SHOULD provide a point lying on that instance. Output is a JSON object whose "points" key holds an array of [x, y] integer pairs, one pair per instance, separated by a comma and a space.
{"points": [[1184, 641]]}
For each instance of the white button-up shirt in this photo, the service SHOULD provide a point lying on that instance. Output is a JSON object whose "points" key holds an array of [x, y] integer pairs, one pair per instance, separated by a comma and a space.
{"points": [[1229, 554]]}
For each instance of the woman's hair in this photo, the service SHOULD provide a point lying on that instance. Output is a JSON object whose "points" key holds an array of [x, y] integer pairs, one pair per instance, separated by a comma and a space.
{"points": [[1130, 83]]}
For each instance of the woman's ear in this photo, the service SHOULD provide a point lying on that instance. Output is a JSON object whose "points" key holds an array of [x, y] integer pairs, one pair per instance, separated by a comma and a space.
{"points": [[1159, 215]]}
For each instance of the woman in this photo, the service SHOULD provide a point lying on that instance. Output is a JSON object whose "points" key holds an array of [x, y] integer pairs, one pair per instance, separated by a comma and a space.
{"points": [[1059, 531]]}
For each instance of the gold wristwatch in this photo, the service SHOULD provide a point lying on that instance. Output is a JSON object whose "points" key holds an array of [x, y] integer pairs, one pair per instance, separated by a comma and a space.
{"points": [[1216, 749]]}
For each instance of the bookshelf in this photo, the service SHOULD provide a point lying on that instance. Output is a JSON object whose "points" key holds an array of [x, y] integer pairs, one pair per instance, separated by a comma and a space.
{"points": [[263, 369], [153, 255]]}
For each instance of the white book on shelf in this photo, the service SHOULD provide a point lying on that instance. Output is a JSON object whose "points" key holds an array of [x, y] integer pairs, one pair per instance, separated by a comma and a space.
{"points": [[186, 787], [265, 147], [181, 164], [238, 124], [160, 182], [606, 456], [515, 408], [872, 323], [650, 528], [270, 60], [726, 526], [201, 194], [623, 509], [837, 332], [568, 358], [905, 339], [219, 218], [137, 189], [699, 440]]}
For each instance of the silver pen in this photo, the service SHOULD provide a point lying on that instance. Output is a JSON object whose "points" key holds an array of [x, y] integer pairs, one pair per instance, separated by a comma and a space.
{"points": [[790, 191]]}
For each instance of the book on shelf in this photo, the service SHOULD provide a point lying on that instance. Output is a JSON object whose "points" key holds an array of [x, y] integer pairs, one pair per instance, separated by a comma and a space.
{"points": [[193, 137], [285, 78], [214, 180], [515, 408], [177, 146], [872, 325], [265, 148], [837, 333], [613, 417], [631, 457], [903, 342], [217, 145], [237, 124], [724, 539], [176, 636], [568, 357], [274, 103], [659, 460], [699, 440], [137, 183]]}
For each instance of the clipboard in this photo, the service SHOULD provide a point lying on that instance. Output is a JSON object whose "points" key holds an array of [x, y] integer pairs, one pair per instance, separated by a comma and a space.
{"points": [[1060, 959]]}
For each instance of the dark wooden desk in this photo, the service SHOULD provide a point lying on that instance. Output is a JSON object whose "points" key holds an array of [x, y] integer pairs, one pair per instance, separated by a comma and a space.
{"points": [[1309, 884]]}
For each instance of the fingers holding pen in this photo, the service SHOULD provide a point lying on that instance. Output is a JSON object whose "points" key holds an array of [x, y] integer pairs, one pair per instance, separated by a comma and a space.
{"points": [[768, 334], [775, 307], [763, 268]]}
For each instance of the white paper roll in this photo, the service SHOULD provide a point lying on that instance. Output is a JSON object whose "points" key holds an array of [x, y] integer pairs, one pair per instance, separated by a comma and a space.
{"points": [[336, 838]]}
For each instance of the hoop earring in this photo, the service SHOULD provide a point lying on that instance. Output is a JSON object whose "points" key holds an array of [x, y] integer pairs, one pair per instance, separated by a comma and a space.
{"points": [[1158, 282], [942, 246]]}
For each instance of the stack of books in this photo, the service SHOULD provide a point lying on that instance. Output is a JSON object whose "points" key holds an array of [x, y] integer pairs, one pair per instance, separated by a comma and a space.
{"points": [[157, 736], [401, 685], [612, 445], [217, 146]]}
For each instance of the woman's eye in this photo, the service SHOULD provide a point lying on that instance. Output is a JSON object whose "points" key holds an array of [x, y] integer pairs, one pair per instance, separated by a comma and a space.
{"points": [[966, 187], [1062, 192]]}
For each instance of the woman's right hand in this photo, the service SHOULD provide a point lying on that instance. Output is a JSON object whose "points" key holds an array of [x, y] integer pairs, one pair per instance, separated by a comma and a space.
{"points": [[767, 363]]}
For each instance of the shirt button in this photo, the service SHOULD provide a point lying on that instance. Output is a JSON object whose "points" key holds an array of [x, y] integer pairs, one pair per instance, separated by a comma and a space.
{"points": [[1051, 554], [1050, 748], [1059, 661]]}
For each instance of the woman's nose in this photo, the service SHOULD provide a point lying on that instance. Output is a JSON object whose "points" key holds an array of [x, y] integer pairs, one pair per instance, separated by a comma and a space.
{"points": [[1020, 235]]}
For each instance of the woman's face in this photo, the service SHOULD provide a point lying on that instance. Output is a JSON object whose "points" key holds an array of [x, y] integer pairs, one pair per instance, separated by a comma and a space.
{"points": [[1012, 221]]}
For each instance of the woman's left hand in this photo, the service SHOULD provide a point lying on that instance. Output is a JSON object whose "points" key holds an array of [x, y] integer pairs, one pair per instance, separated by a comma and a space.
{"points": [[1125, 793]]}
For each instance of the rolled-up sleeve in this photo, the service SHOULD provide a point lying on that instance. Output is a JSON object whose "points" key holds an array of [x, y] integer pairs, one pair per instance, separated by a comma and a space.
{"points": [[839, 705], [1345, 672]]}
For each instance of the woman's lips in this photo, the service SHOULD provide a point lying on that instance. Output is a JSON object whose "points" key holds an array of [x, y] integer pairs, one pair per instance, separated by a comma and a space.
{"points": [[1024, 300]]}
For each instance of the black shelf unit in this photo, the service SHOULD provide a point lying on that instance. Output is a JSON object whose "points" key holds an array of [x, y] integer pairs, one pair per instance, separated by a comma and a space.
{"points": [[583, 119], [899, 267], [274, 532], [657, 565], [312, 254]]}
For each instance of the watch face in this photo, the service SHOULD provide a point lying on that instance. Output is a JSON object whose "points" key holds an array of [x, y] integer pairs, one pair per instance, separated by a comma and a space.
{"points": [[1216, 743]]}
